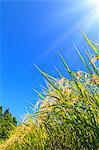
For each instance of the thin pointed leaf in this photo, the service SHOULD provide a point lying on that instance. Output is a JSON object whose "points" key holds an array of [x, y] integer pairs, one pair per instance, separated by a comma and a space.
{"points": [[39, 94], [64, 62], [90, 43], [58, 72], [44, 89], [92, 64], [46, 77], [82, 58]]}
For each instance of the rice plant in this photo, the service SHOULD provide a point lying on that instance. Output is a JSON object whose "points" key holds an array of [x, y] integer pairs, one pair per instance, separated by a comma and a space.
{"points": [[68, 116]]}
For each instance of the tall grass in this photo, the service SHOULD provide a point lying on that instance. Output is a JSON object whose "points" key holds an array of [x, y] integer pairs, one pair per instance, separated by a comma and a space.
{"points": [[67, 118]]}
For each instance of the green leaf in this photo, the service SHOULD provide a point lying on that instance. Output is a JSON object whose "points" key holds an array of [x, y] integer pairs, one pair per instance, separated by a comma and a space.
{"points": [[39, 94], [85, 63], [90, 43], [46, 77], [58, 72], [64, 62]]}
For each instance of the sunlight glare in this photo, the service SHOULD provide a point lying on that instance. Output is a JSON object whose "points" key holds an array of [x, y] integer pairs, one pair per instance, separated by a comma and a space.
{"points": [[96, 4]]}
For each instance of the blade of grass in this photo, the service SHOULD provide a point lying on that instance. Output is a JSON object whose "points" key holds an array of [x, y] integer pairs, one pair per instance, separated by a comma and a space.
{"points": [[64, 62], [82, 59], [90, 43], [93, 66], [39, 94], [47, 78], [58, 72], [71, 73]]}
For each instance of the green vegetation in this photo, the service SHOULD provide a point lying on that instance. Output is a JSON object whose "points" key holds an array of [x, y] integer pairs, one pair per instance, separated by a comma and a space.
{"points": [[7, 122], [67, 118]]}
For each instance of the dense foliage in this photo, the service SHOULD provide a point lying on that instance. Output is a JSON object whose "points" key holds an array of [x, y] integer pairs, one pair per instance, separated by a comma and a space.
{"points": [[68, 116], [6, 123]]}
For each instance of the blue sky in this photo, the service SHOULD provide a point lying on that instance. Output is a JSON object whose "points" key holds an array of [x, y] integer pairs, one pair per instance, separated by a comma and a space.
{"points": [[31, 33]]}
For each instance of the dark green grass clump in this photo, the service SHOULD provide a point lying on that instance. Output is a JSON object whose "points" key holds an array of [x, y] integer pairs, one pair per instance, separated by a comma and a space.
{"points": [[67, 118]]}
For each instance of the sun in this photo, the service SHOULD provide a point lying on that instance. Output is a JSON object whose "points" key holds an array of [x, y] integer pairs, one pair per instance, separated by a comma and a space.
{"points": [[97, 7], [96, 4]]}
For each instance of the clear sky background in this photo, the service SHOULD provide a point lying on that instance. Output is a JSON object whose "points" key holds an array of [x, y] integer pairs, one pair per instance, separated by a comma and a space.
{"points": [[32, 31]]}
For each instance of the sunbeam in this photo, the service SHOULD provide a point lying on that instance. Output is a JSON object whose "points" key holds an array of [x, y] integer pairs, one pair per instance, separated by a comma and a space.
{"points": [[95, 4], [80, 25]]}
